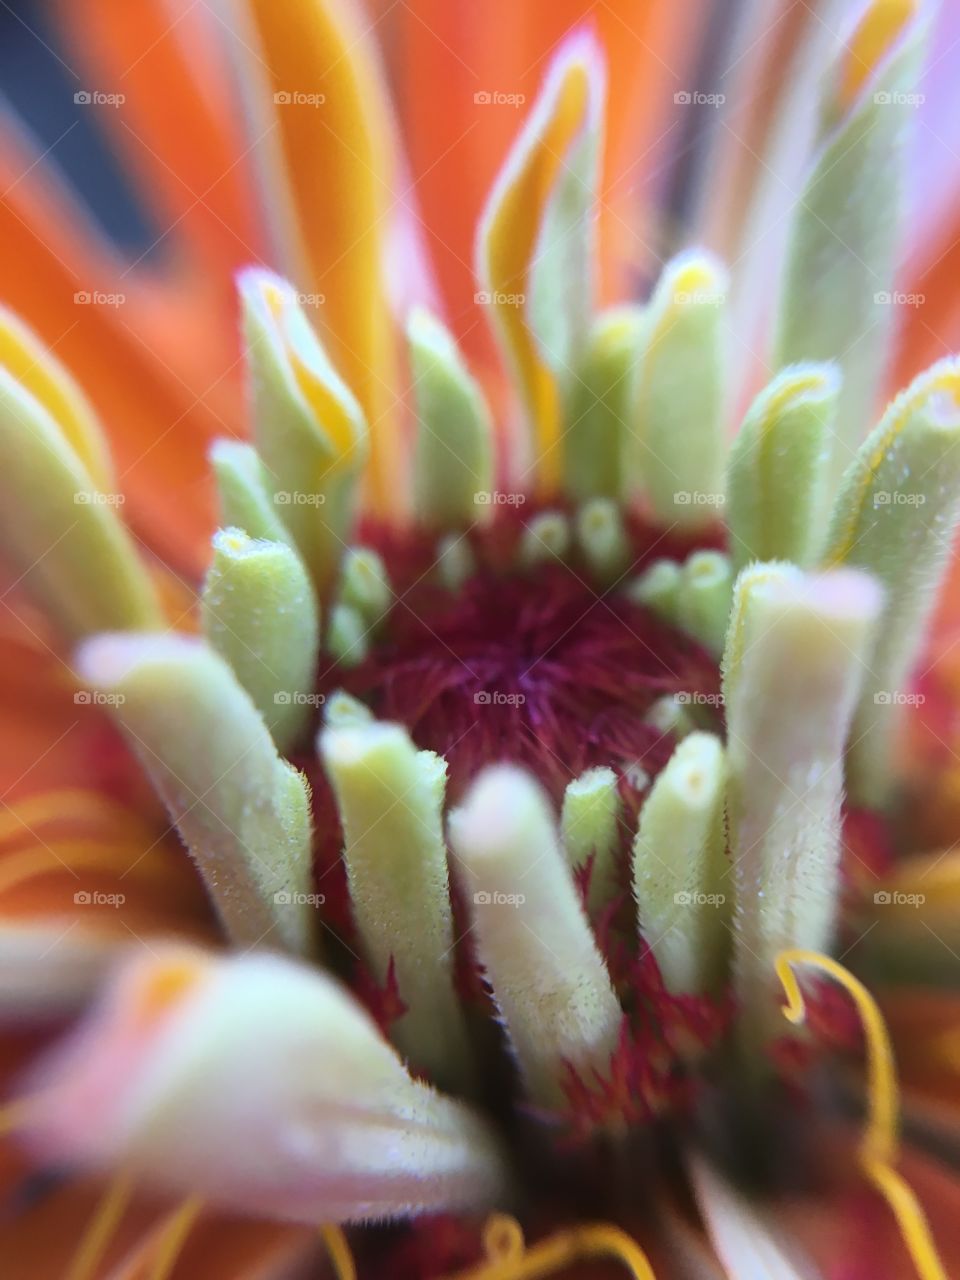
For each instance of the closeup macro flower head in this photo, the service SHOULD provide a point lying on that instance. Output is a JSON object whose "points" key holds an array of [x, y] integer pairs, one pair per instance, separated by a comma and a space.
{"points": [[480, 681]]}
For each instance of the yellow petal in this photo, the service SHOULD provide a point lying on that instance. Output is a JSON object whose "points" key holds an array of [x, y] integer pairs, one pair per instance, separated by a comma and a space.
{"points": [[28, 359], [327, 104], [510, 234]]}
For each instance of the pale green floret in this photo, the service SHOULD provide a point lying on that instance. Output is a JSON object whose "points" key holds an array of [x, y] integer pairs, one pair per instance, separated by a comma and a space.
{"points": [[246, 499], [561, 280], [658, 588], [243, 813], [677, 447], [341, 711], [259, 612], [453, 461], [455, 561], [590, 827], [390, 797], [600, 409], [270, 1088], [602, 539], [544, 539], [895, 516], [64, 536], [777, 470], [309, 429], [684, 897], [794, 666], [348, 636], [669, 715], [836, 299], [364, 585], [549, 980], [703, 601]]}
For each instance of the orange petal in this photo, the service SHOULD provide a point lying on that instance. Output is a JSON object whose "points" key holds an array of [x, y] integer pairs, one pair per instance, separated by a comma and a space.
{"points": [[327, 102], [179, 126]]}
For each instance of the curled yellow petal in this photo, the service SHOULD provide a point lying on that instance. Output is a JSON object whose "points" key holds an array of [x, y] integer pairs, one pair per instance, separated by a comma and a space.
{"points": [[62, 532], [878, 1149], [521, 226], [328, 110], [878, 29], [29, 360]]}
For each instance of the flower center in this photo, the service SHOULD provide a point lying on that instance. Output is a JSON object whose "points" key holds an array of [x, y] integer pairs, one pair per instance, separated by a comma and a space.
{"points": [[542, 666]]}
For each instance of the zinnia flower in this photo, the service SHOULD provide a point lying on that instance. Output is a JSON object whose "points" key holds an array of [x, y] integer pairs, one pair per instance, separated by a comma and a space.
{"points": [[549, 889]]}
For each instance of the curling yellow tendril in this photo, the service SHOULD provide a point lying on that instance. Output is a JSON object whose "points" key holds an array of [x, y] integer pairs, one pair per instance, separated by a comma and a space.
{"points": [[878, 1149], [508, 1257], [173, 1236], [106, 1218], [339, 1251]]}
